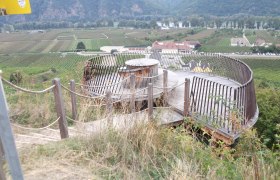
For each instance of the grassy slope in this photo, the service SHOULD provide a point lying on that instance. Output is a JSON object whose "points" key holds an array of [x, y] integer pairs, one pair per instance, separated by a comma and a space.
{"points": [[35, 68], [267, 70], [148, 152], [268, 36], [220, 42]]}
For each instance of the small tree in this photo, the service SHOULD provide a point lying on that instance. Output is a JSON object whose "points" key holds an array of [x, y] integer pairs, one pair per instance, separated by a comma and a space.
{"points": [[81, 46], [16, 77]]}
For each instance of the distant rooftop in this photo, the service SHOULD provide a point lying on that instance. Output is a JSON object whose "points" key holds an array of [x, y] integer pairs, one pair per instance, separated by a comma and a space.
{"points": [[185, 45]]}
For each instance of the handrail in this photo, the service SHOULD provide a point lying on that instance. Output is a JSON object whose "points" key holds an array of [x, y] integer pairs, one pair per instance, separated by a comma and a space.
{"points": [[27, 90], [80, 95], [46, 127]]}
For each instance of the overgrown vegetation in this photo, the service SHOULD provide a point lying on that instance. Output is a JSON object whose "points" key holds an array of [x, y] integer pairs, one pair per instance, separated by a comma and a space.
{"points": [[15, 77], [150, 152], [268, 124], [267, 78]]}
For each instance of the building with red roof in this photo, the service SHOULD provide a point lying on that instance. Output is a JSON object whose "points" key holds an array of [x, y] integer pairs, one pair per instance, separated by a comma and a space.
{"points": [[175, 47]]}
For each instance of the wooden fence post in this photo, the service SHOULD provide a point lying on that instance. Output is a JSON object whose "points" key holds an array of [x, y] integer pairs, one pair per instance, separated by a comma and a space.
{"points": [[132, 91], [150, 101], [59, 104], [187, 97], [109, 107], [7, 137], [73, 99], [165, 91]]}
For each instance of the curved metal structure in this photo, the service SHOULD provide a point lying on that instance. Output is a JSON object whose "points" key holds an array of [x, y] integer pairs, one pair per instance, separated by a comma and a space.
{"points": [[222, 93], [230, 108]]}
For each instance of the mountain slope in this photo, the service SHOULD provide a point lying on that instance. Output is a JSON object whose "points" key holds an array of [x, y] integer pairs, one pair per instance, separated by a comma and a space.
{"points": [[230, 7], [91, 10]]}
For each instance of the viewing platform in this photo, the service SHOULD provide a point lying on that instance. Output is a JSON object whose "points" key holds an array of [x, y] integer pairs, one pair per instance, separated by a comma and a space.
{"points": [[214, 90]]}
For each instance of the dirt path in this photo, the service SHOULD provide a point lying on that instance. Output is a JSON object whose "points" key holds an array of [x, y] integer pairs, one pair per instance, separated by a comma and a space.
{"points": [[106, 37]]}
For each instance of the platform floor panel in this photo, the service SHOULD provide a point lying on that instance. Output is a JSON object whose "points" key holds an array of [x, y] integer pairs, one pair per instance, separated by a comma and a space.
{"points": [[176, 98]]}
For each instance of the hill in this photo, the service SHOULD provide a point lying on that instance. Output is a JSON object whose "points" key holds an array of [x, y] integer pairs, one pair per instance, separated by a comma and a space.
{"points": [[91, 10], [229, 7], [148, 152]]}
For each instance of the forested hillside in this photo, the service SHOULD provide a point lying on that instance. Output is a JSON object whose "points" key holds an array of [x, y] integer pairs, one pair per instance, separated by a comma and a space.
{"points": [[230, 7], [92, 10]]}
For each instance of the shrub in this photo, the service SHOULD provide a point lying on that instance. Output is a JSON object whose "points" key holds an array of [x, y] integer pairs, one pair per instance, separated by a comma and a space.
{"points": [[81, 46], [269, 117], [53, 70], [16, 77]]}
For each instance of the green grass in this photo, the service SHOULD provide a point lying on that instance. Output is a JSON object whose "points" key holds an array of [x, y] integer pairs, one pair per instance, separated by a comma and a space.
{"points": [[219, 41], [206, 33], [268, 36], [223, 49], [67, 66], [265, 70]]}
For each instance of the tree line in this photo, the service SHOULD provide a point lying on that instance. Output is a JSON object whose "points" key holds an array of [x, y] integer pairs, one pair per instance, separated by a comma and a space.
{"points": [[270, 49], [145, 22]]}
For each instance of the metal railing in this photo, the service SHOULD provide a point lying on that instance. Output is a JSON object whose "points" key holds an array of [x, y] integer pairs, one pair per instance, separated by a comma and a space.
{"points": [[225, 107], [230, 108]]}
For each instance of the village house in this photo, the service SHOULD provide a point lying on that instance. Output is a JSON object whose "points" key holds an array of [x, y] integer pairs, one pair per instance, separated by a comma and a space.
{"points": [[240, 42], [175, 47]]}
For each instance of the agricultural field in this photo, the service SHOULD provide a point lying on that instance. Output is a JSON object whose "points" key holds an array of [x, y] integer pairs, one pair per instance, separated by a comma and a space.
{"points": [[39, 69], [268, 36], [61, 40], [201, 35], [65, 40], [266, 70], [219, 41]]}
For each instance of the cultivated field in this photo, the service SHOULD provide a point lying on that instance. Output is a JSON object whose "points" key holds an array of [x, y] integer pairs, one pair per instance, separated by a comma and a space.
{"points": [[266, 70], [60, 40], [219, 41], [268, 36], [39, 69]]}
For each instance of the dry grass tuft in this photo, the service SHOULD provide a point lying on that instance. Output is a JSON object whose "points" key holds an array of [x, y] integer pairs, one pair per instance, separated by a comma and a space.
{"points": [[145, 152]]}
